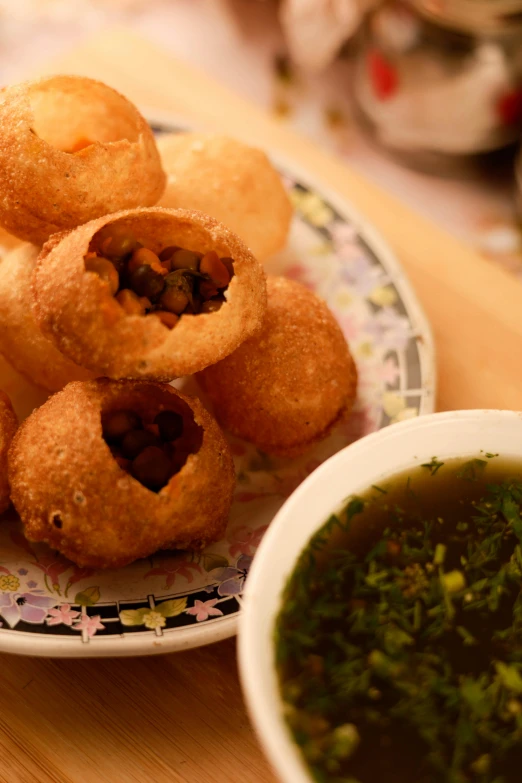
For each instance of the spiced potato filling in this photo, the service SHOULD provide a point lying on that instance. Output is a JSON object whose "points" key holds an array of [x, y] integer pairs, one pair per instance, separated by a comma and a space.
{"points": [[164, 285]]}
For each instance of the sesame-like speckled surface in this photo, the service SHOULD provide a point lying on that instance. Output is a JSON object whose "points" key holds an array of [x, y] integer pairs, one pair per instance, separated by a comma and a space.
{"points": [[286, 387], [59, 464], [76, 310], [21, 340], [46, 189], [232, 182]]}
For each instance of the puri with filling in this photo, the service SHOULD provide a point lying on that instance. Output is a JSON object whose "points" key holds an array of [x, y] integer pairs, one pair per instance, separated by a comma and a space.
{"points": [[148, 293], [106, 472]]}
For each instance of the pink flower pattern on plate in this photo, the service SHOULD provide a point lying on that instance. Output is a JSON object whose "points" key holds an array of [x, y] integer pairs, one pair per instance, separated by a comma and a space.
{"points": [[62, 614], [202, 610], [244, 541], [390, 372], [77, 575], [53, 566], [344, 235], [89, 624], [170, 569]]}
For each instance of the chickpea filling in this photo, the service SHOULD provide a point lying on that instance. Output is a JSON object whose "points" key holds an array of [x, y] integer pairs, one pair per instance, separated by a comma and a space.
{"points": [[151, 451], [162, 286]]}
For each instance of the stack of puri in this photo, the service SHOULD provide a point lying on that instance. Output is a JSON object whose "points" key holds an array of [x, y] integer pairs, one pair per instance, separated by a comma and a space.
{"points": [[71, 150], [107, 471], [137, 268]]}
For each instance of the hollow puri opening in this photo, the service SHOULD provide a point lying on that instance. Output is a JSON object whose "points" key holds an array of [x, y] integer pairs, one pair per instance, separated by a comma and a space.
{"points": [[160, 279], [150, 433], [71, 114]]}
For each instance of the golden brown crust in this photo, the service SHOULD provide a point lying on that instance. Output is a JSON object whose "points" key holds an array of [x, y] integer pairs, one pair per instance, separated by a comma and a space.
{"points": [[231, 181], [75, 308], [59, 464], [285, 388], [21, 341], [7, 242], [8, 425], [45, 189]]}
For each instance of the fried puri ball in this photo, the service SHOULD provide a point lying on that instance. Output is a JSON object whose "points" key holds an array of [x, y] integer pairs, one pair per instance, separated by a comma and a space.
{"points": [[21, 341], [8, 425], [287, 387], [231, 181], [148, 293], [107, 472], [71, 149], [7, 242]]}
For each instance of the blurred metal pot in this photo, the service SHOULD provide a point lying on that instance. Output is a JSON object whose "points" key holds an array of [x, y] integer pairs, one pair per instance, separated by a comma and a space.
{"points": [[439, 81]]}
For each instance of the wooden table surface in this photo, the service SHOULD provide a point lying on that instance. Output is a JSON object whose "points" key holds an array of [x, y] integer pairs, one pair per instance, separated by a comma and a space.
{"points": [[181, 717]]}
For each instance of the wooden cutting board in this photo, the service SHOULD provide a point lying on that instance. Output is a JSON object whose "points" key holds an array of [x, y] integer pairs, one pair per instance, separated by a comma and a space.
{"points": [[181, 717]]}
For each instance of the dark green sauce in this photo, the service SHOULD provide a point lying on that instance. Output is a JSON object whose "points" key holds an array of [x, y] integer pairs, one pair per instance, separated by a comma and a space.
{"points": [[399, 645]]}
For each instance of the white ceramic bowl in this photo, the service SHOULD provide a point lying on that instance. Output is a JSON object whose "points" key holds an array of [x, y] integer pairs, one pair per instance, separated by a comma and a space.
{"points": [[355, 469]]}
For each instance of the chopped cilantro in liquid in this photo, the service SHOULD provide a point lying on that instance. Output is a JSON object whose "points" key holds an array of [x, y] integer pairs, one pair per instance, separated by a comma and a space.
{"points": [[399, 645]]}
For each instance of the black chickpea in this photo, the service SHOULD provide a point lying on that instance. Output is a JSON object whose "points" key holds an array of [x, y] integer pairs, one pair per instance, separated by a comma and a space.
{"points": [[170, 425], [152, 468], [174, 282], [152, 453], [136, 440], [117, 424]]}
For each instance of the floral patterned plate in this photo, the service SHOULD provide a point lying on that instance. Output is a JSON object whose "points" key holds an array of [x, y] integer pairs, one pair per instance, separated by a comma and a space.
{"points": [[171, 601]]}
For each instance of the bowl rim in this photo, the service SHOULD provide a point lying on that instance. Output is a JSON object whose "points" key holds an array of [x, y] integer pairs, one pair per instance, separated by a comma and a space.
{"points": [[255, 647]]}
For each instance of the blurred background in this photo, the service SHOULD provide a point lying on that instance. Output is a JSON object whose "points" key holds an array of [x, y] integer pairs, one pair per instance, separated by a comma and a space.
{"points": [[422, 96]]}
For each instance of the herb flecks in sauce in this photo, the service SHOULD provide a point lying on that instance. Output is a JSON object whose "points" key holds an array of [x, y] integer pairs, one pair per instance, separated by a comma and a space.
{"points": [[399, 645], [433, 466]]}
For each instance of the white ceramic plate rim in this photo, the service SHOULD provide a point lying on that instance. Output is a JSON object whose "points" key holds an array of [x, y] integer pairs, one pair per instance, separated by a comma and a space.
{"points": [[123, 646], [147, 643], [272, 567]]}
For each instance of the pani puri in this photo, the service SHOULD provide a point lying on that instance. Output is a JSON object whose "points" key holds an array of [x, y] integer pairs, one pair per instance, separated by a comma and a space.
{"points": [[74, 488], [7, 242], [285, 388], [8, 425], [232, 182], [21, 341], [123, 295], [71, 149]]}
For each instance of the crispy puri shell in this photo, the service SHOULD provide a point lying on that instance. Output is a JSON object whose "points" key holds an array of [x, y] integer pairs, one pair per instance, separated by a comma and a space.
{"points": [[60, 467], [285, 388], [8, 425], [7, 242], [21, 341], [231, 181], [76, 310], [44, 188]]}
